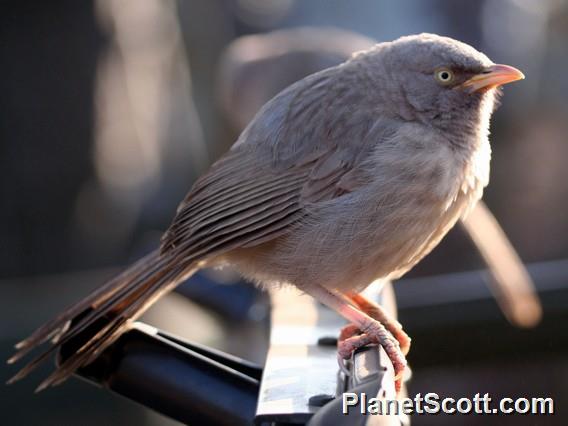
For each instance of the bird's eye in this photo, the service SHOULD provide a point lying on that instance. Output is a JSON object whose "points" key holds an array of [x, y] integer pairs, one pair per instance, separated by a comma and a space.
{"points": [[444, 76]]}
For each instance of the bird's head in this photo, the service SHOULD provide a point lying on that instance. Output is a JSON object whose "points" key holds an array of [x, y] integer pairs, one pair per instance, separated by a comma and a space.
{"points": [[441, 82]]}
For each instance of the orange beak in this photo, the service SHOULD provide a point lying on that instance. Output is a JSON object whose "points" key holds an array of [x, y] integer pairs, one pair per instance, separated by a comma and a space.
{"points": [[495, 75]]}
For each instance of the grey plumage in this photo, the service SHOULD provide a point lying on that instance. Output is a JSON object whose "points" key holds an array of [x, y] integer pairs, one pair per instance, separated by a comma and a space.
{"points": [[254, 68], [352, 174]]}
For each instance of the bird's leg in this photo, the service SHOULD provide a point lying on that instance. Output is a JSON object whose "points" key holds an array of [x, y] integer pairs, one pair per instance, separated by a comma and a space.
{"points": [[372, 331], [348, 331], [380, 314]]}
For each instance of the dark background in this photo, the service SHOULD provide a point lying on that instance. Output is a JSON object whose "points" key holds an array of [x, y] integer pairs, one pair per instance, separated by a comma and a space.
{"points": [[110, 109]]}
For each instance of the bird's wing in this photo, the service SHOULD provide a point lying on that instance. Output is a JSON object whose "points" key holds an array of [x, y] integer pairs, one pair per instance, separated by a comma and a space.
{"points": [[257, 190], [238, 202]]}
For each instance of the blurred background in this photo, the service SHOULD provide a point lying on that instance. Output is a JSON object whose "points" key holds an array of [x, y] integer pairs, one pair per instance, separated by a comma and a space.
{"points": [[110, 109]]}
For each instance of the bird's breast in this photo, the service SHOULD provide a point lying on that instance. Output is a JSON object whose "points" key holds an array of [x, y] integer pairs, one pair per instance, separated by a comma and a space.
{"points": [[382, 229], [419, 191]]}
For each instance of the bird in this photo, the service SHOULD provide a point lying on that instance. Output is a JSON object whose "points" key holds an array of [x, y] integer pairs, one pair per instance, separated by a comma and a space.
{"points": [[350, 175], [254, 68]]}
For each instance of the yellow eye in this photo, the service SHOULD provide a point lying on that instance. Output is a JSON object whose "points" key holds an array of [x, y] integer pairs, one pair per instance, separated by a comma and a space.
{"points": [[444, 76]]}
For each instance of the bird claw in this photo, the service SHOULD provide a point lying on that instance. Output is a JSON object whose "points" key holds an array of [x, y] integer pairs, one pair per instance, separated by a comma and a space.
{"points": [[352, 339], [342, 366]]}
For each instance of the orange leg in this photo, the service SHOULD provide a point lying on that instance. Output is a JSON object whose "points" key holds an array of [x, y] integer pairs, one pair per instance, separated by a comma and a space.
{"points": [[348, 331], [377, 312], [372, 331]]}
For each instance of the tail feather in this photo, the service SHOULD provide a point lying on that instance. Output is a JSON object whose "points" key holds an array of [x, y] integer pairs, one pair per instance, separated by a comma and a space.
{"points": [[117, 303], [53, 327]]}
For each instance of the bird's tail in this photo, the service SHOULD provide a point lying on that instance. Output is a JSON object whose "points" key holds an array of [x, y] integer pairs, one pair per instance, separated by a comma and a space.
{"points": [[101, 317]]}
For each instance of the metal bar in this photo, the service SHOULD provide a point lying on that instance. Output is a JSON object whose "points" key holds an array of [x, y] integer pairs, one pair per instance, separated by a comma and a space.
{"points": [[433, 309], [173, 378], [372, 376]]}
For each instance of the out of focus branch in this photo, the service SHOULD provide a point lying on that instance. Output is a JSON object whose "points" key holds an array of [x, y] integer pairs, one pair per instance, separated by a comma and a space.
{"points": [[511, 284]]}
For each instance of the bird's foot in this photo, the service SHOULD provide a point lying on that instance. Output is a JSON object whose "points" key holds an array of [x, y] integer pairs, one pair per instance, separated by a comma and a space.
{"points": [[352, 338], [376, 312]]}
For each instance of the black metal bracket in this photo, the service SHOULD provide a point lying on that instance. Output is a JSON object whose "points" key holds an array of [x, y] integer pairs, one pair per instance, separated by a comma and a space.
{"points": [[188, 382], [196, 384]]}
